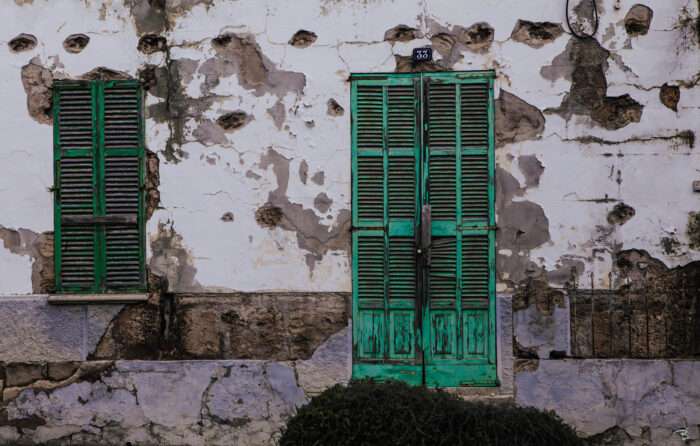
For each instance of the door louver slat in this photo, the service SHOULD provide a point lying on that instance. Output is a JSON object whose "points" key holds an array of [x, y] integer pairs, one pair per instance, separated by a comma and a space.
{"points": [[401, 117], [475, 266], [442, 115], [402, 187], [475, 187], [443, 275], [371, 268], [474, 115], [443, 187], [370, 188], [402, 268], [370, 112]]}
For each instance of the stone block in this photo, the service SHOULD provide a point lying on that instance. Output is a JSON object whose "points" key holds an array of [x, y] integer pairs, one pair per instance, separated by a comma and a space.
{"points": [[58, 371], [21, 374], [273, 326], [33, 330]]}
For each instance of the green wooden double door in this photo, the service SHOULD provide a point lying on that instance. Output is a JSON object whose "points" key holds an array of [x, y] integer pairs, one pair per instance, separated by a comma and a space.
{"points": [[423, 228]]}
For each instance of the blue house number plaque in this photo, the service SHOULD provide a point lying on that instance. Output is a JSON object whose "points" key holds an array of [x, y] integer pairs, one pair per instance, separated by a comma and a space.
{"points": [[422, 55]]}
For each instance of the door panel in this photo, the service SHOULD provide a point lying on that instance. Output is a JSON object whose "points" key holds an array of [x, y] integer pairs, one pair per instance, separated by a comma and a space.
{"points": [[423, 315], [460, 309], [385, 202]]}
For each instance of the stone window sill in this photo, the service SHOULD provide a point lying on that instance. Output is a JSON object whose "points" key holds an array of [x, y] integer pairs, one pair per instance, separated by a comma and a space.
{"points": [[60, 299]]}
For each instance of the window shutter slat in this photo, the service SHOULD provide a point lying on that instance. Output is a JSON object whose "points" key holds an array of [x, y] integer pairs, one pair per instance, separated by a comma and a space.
{"points": [[75, 116], [121, 116], [78, 257]]}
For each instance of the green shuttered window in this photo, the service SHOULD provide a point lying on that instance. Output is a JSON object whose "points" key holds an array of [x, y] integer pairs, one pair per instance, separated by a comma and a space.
{"points": [[423, 287], [98, 176]]}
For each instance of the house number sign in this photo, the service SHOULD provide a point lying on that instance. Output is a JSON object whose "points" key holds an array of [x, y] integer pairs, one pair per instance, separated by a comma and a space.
{"points": [[422, 55]]}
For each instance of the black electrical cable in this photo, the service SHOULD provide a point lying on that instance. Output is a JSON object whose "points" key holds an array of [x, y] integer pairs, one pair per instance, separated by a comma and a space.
{"points": [[583, 35]]}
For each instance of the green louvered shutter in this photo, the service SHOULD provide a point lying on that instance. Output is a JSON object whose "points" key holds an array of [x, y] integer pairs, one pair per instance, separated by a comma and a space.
{"points": [[460, 338], [98, 155], [123, 179], [385, 202], [76, 176]]}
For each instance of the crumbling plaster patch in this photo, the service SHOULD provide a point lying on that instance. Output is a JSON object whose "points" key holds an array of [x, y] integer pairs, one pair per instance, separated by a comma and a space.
{"points": [[313, 235], [39, 248], [172, 260]]}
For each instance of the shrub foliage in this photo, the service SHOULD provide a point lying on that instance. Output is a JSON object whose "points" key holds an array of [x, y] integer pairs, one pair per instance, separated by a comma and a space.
{"points": [[367, 413]]}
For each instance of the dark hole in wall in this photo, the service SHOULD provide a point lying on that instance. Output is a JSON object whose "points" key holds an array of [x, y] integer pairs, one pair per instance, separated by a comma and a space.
{"points": [[303, 39], [669, 95], [335, 109], [23, 42], [621, 214], [638, 20], [477, 36], [268, 216], [76, 43], [152, 43], [233, 120], [401, 33], [536, 34]]}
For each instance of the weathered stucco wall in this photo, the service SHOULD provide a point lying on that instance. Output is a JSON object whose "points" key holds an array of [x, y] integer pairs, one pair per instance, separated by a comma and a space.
{"points": [[248, 113], [248, 128]]}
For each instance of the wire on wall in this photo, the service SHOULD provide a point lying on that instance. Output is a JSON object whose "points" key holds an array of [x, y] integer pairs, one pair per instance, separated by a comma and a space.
{"points": [[581, 34]]}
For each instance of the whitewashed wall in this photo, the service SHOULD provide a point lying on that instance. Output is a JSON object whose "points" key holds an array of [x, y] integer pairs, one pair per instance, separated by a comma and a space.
{"points": [[207, 179]]}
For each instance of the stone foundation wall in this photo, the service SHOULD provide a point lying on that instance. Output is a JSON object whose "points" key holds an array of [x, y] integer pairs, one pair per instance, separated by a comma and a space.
{"points": [[617, 401], [167, 402]]}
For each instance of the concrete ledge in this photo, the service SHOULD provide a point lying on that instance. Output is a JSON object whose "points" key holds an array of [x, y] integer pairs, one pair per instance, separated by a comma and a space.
{"points": [[96, 298], [31, 329]]}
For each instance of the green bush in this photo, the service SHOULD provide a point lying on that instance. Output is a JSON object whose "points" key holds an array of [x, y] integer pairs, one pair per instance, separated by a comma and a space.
{"points": [[367, 413]]}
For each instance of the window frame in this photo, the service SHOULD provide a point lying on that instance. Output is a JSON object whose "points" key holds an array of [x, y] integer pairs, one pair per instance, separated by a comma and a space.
{"points": [[100, 220], [382, 364]]}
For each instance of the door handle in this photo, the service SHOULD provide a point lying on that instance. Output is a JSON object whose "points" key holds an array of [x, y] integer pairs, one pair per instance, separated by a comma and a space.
{"points": [[426, 240]]}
